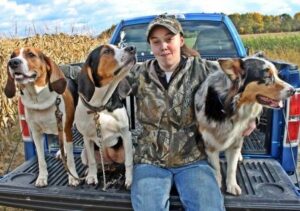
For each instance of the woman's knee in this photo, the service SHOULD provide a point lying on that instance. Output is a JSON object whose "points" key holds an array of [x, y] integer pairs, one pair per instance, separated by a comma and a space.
{"points": [[201, 192], [150, 189]]}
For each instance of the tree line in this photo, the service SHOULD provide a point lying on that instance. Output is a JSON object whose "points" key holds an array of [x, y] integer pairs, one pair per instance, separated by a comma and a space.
{"points": [[252, 23]]}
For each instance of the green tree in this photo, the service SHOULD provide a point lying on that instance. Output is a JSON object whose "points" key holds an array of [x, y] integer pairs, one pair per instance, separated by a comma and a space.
{"points": [[268, 22], [258, 24], [255, 22], [276, 27], [246, 24], [296, 22], [286, 22], [235, 18]]}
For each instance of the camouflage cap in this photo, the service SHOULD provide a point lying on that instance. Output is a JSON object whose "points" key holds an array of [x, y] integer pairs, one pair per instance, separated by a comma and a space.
{"points": [[167, 21]]}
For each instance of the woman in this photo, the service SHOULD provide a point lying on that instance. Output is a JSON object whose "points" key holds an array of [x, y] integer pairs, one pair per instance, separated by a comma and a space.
{"points": [[169, 149]]}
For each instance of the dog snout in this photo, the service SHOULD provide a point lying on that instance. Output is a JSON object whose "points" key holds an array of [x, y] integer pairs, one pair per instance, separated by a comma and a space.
{"points": [[130, 49], [14, 63]]}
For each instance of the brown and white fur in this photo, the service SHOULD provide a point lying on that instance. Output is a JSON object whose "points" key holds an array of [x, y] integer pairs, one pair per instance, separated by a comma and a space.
{"points": [[40, 82], [228, 100], [104, 68]]}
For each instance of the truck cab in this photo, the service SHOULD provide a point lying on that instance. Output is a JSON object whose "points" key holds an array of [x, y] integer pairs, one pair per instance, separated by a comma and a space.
{"points": [[270, 152]]}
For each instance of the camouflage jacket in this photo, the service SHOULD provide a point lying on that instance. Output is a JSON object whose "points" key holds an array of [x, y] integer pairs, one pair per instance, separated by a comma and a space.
{"points": [[168, 136]]}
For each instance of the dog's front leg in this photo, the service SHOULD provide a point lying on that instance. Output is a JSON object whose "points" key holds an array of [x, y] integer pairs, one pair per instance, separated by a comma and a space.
{"points": [[232, 156], [213, 159], [73, 179], [42, 179], [91, 177], [127, 143]]}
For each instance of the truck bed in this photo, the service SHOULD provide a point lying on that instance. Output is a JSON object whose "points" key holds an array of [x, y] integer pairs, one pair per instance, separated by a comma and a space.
{"points": [[264, 185]]}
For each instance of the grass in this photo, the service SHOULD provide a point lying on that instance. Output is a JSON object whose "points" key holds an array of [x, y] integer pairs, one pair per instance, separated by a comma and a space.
{"points": [[277, 46]]}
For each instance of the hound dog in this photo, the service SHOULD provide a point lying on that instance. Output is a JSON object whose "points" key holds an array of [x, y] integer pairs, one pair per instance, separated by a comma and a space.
{"points": [[41, 84], [99, 104], [228, 100]]}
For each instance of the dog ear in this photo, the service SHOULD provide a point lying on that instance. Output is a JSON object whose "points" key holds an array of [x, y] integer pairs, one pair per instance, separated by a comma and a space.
{"points": [[233, 68], [58, 82], [86, 85], [10, 87]]}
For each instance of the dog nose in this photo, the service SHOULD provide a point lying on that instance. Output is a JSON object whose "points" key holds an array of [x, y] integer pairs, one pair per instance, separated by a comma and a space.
{"points": [[130, 49], [14, 63], [291, 91]]}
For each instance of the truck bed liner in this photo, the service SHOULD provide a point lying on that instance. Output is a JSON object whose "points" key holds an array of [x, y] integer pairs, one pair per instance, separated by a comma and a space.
{"points": [[264, 184]]}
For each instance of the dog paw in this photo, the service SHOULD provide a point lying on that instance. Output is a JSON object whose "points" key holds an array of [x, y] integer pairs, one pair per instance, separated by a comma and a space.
{"points": [[234, 189], [91, 180], [73, 181], [41, 181], [128, 176]]}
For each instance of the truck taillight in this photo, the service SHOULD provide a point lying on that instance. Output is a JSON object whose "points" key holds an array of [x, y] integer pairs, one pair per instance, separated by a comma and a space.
{"points": [[293, 129], [295, 105], [23, 124], [292, 134]]}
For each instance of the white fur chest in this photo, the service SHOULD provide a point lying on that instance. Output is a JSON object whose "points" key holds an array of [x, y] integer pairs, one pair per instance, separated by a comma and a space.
{"points": [[44, 120], [240, 122], [38, 99], [84, 121], [110, 123]]}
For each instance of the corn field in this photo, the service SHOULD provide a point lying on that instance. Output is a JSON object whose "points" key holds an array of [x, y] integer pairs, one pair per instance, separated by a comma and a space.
{"points": [[277, 46], [62, 49]]}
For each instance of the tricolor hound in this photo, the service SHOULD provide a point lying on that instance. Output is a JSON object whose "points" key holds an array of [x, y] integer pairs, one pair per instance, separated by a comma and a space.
{"points": [[42, 84], [100, 115]]}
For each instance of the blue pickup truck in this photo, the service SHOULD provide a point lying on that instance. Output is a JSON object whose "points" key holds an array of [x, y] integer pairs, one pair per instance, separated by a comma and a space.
{"points": [[266, 175]]}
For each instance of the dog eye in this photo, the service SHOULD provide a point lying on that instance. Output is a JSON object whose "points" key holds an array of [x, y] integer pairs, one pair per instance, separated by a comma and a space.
{"points": [[30, 54], [107, 51]]}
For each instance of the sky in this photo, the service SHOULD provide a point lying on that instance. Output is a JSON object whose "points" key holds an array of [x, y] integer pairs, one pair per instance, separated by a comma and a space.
{"points": [[22, 18]]}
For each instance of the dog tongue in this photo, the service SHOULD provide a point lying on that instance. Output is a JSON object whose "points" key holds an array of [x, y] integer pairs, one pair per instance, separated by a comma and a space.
{"points": [[271, 102]]}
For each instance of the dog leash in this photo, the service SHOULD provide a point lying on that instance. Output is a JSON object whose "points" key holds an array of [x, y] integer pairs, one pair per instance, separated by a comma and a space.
{"points": [[59, 115], [98, 132], [96, 111]]}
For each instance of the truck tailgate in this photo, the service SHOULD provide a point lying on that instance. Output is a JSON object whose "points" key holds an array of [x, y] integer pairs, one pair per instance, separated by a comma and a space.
{"points": [[264, 184]]}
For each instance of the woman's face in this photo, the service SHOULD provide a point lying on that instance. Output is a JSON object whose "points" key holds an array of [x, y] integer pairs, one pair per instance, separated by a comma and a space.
{"points": [[166, 47]]}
